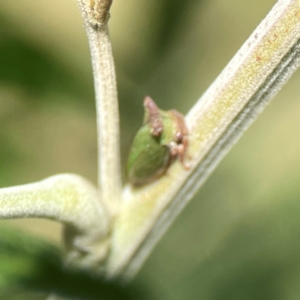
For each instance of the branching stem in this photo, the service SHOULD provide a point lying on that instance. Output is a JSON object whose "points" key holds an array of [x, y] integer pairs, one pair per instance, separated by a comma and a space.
{"points": [[69, 199], [256, 73]]}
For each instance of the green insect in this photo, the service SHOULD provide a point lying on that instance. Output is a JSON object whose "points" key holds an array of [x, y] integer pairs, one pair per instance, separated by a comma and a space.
{"points": [[162, 138]]}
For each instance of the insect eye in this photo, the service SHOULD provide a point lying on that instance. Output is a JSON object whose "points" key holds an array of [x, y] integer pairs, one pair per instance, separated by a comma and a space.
{"points": [[179, 137]]}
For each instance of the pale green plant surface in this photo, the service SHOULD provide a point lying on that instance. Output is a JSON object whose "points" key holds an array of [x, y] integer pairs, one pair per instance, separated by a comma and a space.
{"points": [[146, 208], [265, 62]]}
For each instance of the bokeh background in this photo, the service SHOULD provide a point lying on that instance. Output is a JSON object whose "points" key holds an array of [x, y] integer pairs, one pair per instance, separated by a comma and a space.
{"points": [[238, 238]]}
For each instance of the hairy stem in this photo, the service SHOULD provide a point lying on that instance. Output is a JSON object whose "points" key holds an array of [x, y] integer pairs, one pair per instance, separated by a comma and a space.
{"points": [[239, 94], [69, 199], [96, 14]]}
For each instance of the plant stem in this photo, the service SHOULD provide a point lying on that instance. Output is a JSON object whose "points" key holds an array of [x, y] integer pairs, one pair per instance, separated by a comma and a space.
{"points": [[69, 199], [95, 14], [256, 73]]}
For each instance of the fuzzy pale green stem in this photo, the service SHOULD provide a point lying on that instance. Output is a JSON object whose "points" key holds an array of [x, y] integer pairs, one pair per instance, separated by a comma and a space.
{"points": [[69, 199], [239, 94], [96, 14]]}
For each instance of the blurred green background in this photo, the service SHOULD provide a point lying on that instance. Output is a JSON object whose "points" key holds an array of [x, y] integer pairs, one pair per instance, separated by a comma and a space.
{"points": [[238, 239]]}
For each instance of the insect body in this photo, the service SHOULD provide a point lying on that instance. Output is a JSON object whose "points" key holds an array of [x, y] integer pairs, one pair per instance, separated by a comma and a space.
{"points": [[162, 138]]}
